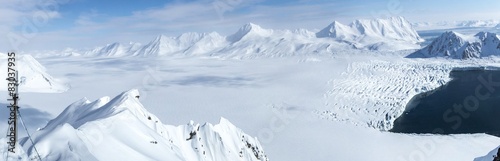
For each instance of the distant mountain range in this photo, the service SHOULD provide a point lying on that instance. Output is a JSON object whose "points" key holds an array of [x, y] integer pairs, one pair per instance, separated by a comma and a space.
{"points": [[251, 40]]}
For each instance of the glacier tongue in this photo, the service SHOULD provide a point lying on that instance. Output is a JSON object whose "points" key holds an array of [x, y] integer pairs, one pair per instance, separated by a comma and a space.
{"points": [[367, 33], [122, 129]]}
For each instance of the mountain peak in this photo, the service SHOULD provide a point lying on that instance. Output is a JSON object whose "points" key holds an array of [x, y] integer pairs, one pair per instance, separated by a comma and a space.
{"points": [[225, 122], [250, 26], [486, 35], [337, 30], [248, 29], [373, 32], [161, 38]]}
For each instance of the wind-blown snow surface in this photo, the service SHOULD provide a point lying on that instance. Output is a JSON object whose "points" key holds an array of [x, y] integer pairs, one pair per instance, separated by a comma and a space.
{"points": [[252, 40], [33, 76], [122, 129]]}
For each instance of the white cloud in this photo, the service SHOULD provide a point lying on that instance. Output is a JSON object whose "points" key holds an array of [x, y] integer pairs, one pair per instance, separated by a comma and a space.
{"points": [[176, 18], [23, 18], [95, 28]]}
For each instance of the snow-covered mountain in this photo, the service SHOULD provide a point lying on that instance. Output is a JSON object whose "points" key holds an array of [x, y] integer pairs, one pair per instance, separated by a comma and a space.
{"points": [[252, 40], [122, 129], [187, 43], [374, 33], [114, 50], [33, 76], [455, 45]]}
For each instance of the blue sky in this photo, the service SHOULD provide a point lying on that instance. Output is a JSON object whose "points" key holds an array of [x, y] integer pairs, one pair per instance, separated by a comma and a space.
{"points": [[57, 24]]}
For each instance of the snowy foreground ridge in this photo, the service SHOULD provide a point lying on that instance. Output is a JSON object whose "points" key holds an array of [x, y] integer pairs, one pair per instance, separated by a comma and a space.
{"points": [[251, 40], [122, 129]]}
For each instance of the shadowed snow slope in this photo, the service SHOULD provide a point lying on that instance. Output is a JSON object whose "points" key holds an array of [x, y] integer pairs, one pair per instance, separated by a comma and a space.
{"points": [[32, 75], [454, 45], [122, 129], [251, 40]]}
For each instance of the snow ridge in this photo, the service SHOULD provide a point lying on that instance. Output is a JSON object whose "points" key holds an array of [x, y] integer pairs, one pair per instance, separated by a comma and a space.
{"points": [[113, 50], [249, 30], [122, 129], [457, 46], [192, 43]]}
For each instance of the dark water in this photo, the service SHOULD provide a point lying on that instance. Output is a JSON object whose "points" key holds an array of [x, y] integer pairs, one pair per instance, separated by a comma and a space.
{"points": [[470, 103]]}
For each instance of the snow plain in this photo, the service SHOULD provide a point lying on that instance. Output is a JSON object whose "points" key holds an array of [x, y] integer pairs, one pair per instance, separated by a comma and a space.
{"points": [[300, 107]]}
